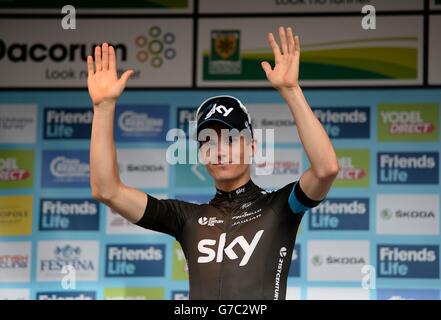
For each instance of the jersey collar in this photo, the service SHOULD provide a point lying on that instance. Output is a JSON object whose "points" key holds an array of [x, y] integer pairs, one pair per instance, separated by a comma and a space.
{"points": [[245, 189]]}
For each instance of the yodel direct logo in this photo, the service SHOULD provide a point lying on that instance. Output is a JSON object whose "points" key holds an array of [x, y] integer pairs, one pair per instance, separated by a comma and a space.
{"points": [[340, 214], [408, 168], [345, 123], [408, 261], [69, 214], [67, 123], [135, 260]]}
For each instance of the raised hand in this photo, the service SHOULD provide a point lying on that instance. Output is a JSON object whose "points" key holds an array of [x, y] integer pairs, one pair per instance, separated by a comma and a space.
{"points": [[286, 71], [103, 83]]}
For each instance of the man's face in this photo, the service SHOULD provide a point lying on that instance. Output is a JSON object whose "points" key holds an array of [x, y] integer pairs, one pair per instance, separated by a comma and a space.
{"points": [[226, 157]]}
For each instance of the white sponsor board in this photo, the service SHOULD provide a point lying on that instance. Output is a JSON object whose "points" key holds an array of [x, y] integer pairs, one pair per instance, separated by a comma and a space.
{"points": [[80, 256], [14, 294], [158, 50], [304, 6], [434, 49], [143, 168], [18, 123], [275, 117], [337, 260], [329, 293], [408, 214], [286, 167], [15, 261]]}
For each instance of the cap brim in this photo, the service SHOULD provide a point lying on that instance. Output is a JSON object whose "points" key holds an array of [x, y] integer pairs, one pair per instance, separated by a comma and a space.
{"points": [[206, 124]]}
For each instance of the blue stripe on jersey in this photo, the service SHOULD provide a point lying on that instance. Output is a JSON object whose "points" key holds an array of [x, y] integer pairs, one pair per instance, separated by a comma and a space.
{"points": [[294, 203]]}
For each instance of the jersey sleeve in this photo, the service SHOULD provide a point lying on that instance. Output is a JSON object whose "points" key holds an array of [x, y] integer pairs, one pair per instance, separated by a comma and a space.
{"points": [[166, 216], [292, 198]]}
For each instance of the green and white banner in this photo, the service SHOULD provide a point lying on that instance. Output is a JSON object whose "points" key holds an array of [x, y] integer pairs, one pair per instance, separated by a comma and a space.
{"points": [[230, 51]]}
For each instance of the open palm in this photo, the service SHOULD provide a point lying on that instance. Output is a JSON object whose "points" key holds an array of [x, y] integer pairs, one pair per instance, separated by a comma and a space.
{"points": [[286, 70], [103, 82]]}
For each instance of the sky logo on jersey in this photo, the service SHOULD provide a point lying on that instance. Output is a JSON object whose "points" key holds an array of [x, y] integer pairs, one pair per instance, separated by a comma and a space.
{"points": [[180, 295], [67, 123], [66, 295], [294, 270], [408, 294], [408, 122], [65, 169], [185, 115], [340, 214], [408, 261], [354, 168], [407, 167], [135, 260], [69, 214], [180, 266], [345, 122], [16, 169], [141, 123]]}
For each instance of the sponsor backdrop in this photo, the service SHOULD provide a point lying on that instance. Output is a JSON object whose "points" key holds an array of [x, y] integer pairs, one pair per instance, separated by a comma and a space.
{"points": [[384, 209]]}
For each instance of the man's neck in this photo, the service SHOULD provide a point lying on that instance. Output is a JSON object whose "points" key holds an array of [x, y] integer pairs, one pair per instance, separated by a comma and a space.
{"points": [[230, 185]]}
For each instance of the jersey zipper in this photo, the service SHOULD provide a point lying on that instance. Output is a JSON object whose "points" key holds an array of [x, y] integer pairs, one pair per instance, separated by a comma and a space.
{"points": [[226, 241]]}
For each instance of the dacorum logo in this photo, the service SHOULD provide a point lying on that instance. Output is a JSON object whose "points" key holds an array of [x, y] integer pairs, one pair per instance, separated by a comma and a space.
{"points": [[156, 47]]}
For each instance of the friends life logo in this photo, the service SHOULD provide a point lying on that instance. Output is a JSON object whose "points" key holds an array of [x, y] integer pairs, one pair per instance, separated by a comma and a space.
{"points": [[294, 270], [66, 295], [408, 294], [67, 123], [65, 169], [184, 116], [340, 214], [141, 123], [69, 214], [418, 122], [407, 168], [135, 260], [345, 122], [408, 261]]}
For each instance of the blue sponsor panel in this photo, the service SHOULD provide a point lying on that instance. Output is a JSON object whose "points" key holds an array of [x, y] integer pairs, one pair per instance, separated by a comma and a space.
{"points": [[340, 214], [141, 123], [67, 123], [407, 168], [345, 122], [135, 260], [294, 270], [65, 169], [69, 214], [180, 295], [408, 261], [195, 198], [184, 116], [408, 294], [66, 295]]}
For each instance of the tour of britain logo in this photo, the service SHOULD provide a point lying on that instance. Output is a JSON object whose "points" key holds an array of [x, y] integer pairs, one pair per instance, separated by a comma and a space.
{"points": [[408, 261]]}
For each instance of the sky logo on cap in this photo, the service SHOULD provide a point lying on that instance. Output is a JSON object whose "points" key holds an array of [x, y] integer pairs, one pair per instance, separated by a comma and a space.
{"points": [[67, 123], [135, 260], [340, 214], [345, 123], [407, 167], [408, 261]]}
